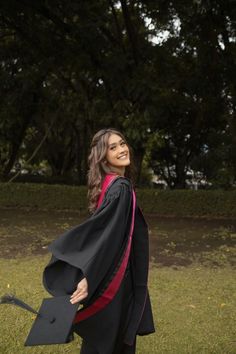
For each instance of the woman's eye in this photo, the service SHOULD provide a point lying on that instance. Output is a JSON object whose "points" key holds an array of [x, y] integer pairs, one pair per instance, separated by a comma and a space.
{"points": [[123, 143]]}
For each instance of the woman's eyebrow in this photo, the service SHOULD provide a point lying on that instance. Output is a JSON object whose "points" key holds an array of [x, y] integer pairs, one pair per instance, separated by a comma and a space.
{"points": [[114, 144]]}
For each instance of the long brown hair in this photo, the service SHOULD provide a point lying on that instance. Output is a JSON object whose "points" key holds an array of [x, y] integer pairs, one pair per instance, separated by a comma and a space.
{"points": [[97, 166]]}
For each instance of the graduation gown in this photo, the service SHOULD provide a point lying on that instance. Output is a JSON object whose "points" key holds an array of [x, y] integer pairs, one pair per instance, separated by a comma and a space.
{"points": [[115, 237]]}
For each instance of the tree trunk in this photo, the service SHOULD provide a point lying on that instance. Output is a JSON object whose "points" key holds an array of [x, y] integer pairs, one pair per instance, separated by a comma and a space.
{"points": [[18, 141], [138, 159], [180, 180]]}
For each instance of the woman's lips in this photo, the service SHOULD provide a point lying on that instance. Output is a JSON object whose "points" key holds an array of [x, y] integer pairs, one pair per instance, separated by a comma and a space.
{"points": [[122, 157]]}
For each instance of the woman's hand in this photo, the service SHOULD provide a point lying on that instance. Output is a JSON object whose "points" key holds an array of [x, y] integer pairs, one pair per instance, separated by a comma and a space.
{"points": [[81, 292]]}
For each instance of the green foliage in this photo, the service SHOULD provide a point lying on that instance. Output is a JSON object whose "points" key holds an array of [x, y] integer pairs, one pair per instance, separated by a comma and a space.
{"points": [[184, 203], [189, 203], [72, 67], [43, 196]]}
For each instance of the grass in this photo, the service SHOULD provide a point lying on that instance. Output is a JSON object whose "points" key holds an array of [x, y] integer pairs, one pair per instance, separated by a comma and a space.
{"points": [[194, 309]]}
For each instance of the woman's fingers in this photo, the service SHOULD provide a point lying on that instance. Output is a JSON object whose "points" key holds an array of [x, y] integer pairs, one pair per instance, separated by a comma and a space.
{"points": [[78, 298], [81, 292]]}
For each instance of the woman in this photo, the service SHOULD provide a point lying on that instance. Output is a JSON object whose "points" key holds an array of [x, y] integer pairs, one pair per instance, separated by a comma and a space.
{"points": [[103, 262]]}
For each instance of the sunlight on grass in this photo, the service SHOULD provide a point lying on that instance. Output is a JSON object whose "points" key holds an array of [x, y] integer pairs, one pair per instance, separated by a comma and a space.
{"points": [[193, 307]]}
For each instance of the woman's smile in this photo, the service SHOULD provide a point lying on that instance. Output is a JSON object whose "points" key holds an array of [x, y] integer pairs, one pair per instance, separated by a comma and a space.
{"points": [[123, 156]]}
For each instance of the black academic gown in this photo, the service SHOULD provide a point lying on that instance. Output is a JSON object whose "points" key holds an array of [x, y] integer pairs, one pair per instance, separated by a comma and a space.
{"points": [[94, 249]]}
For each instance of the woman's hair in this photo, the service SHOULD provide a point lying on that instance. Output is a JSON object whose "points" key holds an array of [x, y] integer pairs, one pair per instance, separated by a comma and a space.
{"points": [[98, 167]]}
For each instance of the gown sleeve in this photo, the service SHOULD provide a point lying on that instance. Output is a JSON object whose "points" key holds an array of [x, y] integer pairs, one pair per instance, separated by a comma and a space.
{"points": [[91, 249]]}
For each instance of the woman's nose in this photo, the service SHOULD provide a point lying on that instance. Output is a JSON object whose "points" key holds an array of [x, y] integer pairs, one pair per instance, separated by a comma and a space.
{"points": [[121, 149]]}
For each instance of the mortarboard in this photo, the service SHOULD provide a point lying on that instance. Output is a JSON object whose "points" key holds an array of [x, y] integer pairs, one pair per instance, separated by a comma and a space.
{"points": [[53, 322]]}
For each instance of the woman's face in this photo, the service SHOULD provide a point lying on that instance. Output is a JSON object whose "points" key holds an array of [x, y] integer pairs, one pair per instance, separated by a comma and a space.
{"points": [[117, 152]]}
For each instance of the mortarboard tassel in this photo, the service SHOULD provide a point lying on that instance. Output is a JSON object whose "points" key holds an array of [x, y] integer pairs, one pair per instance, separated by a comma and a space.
{"points": [[12, 300]]}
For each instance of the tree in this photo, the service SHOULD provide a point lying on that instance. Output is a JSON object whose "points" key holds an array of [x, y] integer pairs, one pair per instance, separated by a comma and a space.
{"points": [[192, 102], [86, 65]]}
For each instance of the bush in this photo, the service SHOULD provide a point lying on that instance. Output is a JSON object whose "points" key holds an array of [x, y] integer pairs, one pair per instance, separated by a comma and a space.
{"points": [[190, 203], [200, 203], [43, 196]]}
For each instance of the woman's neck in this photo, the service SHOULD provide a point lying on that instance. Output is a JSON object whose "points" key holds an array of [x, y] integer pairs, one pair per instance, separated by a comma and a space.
{"points": [[118, 171]]}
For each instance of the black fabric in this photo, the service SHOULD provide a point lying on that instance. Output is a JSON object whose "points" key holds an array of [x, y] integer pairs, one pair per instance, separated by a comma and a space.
{"points": [[87, 348], [141, 320], [93, 249]]}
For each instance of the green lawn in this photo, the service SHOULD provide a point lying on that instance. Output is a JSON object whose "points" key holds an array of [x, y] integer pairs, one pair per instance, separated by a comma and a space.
{"points": [[194, 309]]}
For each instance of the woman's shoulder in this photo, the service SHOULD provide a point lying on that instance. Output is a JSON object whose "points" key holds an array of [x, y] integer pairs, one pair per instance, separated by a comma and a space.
{"points": [[120, 181], [118, 185]]}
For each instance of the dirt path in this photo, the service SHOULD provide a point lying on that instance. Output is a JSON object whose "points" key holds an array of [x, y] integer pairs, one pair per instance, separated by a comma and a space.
{"points": [[173, 242]]}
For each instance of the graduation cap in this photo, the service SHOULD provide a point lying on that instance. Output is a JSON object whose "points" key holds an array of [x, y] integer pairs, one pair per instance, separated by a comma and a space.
{"points": [[53, 322]]}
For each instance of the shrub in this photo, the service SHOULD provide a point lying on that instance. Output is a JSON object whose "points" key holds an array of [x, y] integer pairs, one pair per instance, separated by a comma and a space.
{"points": [[190, 203]]}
